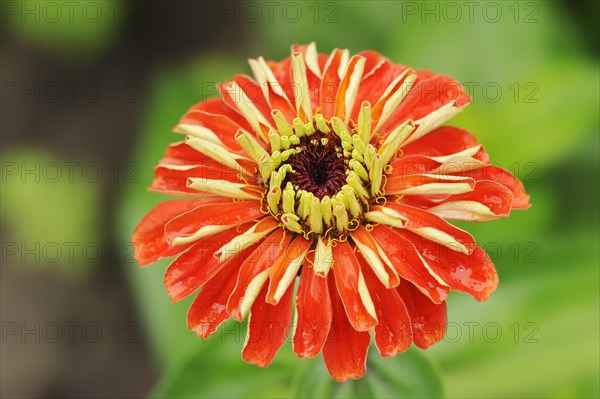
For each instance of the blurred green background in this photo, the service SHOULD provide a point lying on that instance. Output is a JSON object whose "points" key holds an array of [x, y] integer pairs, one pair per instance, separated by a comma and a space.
{"points": [[532, 70]]}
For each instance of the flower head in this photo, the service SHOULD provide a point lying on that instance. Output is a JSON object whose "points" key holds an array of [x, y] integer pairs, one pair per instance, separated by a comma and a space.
{"points": [[333, 171]]}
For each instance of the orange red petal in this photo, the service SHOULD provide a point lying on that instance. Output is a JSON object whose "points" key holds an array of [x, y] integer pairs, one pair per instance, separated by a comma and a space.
{"points": [[393, 333], [488, 201], [225, 214], [427, 184], [195, 266], [149, 240], [268, 328], [182, 154], [173, 180], [444, 140], [474, 274], [352, 288], [428, 320], [507, 179], [259, 261], [285, 269], [345, 350], [435, 228], [427, 95], [313, 314], [409, 265], [217, 106], [331, 82], [208, 311]]}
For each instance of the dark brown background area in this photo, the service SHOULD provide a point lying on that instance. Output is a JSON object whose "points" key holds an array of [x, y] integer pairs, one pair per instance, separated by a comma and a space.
{"points": [[158, 33]]}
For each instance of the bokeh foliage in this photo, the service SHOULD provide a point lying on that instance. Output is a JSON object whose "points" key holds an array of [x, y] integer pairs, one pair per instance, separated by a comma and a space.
{"points": [[543, 126]]}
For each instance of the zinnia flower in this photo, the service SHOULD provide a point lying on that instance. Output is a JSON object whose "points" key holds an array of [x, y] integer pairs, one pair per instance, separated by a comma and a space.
{"points": [[333, 171]]}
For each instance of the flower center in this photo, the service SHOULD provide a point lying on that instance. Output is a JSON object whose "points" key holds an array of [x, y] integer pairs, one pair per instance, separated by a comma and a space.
{"points": [[319, 167], [320, 177]]}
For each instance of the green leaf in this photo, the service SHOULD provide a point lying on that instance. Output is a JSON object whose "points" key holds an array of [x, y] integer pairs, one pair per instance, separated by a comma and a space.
{"points": [[218, 371], [408, 375]]}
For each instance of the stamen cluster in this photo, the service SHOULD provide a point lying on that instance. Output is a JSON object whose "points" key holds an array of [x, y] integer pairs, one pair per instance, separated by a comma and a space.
{"points": [[321, 176]]}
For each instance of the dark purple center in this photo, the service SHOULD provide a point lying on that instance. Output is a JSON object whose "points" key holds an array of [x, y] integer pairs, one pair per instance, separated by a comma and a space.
{"points": [[319, 169]]}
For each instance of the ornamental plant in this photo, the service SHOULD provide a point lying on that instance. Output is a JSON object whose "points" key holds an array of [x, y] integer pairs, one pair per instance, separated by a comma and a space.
{"points": [[335, 174]]}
